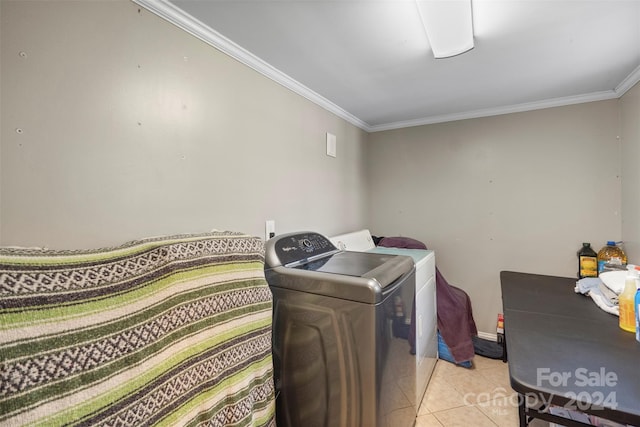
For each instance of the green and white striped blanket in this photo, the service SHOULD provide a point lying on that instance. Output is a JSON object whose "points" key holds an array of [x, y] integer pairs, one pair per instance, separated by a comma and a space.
{"points": [[169, 331]]}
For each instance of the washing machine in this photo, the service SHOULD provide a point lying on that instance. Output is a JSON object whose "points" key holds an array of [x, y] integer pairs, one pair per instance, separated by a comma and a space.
{"points": [[426, 321], [341, 334]]}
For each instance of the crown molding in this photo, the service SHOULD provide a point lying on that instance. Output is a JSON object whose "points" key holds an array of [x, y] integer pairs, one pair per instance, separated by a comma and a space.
{"points": [[176, 16], [508, 109], [628, 82], [618, 92], [196, 28]]}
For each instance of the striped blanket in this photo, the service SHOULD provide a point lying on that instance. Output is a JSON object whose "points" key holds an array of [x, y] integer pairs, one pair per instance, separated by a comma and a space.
{"points": [[169, 331]]}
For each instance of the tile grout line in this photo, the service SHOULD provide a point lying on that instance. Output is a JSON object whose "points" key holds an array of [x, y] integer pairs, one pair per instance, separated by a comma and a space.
{"points": [[493, 381]]}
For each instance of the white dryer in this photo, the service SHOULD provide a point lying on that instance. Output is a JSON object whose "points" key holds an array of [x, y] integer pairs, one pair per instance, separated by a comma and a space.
{"points": [[426, 319]]}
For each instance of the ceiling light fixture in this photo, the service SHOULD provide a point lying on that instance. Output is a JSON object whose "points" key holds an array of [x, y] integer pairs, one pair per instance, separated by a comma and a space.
{"points": [[448, 24]]}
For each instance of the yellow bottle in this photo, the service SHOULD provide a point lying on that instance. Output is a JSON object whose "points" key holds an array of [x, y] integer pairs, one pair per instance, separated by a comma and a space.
{"points": [[626, 301], [611, 253]]}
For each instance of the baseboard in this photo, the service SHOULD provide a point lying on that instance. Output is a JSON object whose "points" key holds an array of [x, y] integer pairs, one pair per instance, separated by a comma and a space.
{"points": [[488, 336]]}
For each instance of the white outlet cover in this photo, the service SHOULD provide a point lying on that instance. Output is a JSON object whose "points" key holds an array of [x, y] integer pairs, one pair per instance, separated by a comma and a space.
{"points": [[331, 145], [269, 227]]}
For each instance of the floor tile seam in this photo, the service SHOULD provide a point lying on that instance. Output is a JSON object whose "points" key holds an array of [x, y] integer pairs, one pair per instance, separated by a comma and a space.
{"points": [[480, 410], [490, 380], [433, 416], [502, 390], [485, 412], [489, 398], [461, 405], [512, 401], [490, 385]]}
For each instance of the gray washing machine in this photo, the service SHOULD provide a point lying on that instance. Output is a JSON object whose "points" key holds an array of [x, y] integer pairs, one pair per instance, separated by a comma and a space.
{"points": [[342, 325]]}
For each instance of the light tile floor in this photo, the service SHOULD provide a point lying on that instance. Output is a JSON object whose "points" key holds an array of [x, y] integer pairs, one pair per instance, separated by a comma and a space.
{"points": [[479, 397]]}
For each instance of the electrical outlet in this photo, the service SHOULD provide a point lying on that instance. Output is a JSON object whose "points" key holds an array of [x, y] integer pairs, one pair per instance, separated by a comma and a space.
{"points": [[269, 229]]}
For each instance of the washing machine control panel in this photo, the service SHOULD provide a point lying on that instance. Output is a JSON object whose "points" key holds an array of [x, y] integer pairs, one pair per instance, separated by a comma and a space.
{"points": [[301, 247]]}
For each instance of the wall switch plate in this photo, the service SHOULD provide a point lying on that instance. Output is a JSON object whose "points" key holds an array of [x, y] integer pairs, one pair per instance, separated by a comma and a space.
{"points": [[331, 145], [269, 229]]}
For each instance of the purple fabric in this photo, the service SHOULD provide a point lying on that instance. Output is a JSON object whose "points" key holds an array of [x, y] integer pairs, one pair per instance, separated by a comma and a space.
{"points": [[401, 242], [455, 319], [455, 315]]}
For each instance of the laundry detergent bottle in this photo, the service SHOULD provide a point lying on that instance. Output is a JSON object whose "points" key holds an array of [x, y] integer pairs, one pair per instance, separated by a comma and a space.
{"points": [[626, 300]]}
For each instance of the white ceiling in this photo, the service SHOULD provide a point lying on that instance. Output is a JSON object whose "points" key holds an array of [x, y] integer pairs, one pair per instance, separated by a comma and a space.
{"points": [[369, 61]]}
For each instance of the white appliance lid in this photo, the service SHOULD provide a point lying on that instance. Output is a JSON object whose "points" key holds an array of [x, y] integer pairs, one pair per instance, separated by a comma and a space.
{"points": [[359, 241]]}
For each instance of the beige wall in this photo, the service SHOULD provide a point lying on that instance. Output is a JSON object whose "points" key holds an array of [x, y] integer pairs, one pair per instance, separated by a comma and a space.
{"points": [[513, 192], [630, 125], [130, 127]]}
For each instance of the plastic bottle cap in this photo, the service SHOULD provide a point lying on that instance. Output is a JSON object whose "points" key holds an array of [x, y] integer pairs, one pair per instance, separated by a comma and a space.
{"points": [[611, 243]]}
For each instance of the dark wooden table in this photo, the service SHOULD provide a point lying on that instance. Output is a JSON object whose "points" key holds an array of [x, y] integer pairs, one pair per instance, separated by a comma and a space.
{"points": [[564, 350]]}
